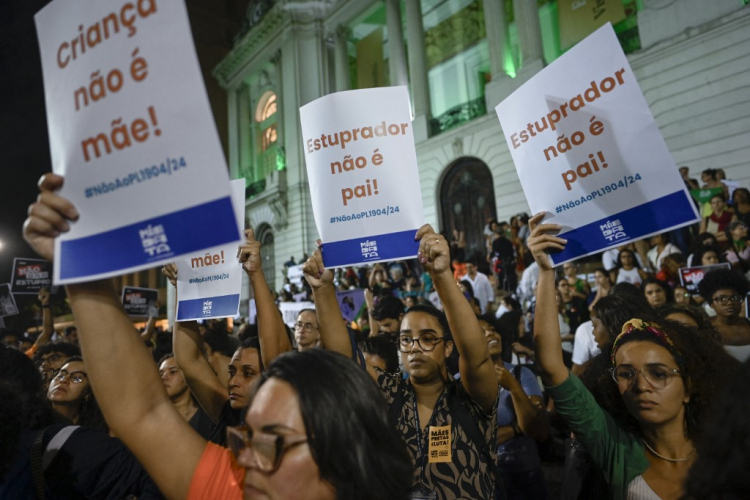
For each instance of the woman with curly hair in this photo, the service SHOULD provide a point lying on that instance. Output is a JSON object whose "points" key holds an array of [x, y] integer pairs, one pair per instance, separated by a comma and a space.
{"points": [[725, 291], [656, 390]]}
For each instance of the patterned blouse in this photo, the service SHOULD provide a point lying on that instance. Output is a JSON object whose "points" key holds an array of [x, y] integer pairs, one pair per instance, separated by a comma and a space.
{"points": [[467, 475]]}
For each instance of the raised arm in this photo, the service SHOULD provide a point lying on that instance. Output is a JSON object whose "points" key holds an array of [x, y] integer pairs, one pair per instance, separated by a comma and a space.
{"points": [[48, 326], [547, 341], [271, 331], [531, 418], [370, 303], [333, 333], [477, 372], [121, 372], [148, 332], [187, 345]]}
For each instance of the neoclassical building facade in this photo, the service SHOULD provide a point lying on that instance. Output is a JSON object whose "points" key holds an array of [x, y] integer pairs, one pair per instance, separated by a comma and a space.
{"points": [[460, 58]]}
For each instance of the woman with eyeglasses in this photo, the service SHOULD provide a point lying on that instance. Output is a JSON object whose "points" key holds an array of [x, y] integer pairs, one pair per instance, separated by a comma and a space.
{"points": [[726, 292], [650, 403], [71, 396], [448, 426]]}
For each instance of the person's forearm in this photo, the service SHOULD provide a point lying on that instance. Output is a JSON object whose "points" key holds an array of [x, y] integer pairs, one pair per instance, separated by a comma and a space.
{"points": [[532, 420], [333, 333], [504, 434], [148, 332], [48, 327], [121, 372], [271, 331], [547, 341]]}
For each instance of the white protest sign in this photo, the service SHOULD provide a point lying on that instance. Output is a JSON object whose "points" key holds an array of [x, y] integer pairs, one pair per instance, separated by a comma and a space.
{"points": [[290, 311], [589, 153], [209, 283], [362, 169], [131, 129], [294, 273], [7, 301]]}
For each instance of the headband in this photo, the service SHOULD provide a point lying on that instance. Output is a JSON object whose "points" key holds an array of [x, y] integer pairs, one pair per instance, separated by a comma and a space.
{"points": [[636, 325]]}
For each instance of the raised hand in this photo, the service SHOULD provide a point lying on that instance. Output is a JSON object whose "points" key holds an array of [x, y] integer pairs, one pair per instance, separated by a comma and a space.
{"points": [[170, 271], [249, 253], [43, 296], [315, 273], [504, 377], [540, 241], [48, 217], [434, 251]]}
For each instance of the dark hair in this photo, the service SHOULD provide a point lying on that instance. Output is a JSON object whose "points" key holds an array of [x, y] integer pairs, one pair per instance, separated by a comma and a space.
{"points": [[663, 284], [383, 346], [615, 310], [164, 358], [89, 413], [468, 286], [252, 343], [69, 330], [708, 368], [720, 471], [388, 307], [513, 302], [697, 314], [437, 314], [22, 407], [355, 446], [7, 332], [507, 326], [64, 348], [675, 257], [636, 264], [703, 250], [219, 341], [744, 190], [722, 279], [711, 172], [626, 289]]}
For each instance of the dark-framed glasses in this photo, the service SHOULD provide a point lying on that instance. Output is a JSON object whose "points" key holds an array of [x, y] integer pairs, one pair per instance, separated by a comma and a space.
{"points": [[426, 342], [304, 326], [76, 377], [726, 299], [263, 451], [656, 375]]}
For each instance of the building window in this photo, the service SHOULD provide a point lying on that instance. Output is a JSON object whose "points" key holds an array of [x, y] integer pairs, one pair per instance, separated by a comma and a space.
{"points": [[266, 107], [266, 133], [368, 49]]}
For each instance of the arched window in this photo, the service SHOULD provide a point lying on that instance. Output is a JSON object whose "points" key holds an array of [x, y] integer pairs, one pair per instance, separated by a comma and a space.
{"points": [[467, 199], [265, 116], [267, 254], [266, 107]]}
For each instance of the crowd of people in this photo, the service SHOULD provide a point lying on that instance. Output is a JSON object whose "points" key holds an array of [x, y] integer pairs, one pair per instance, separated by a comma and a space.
{"points": [[451, 382]]}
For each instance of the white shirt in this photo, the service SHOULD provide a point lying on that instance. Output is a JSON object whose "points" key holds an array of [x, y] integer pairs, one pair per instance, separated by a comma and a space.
{"points": [[567, 345], [656, 257], [584, 346], [483, 291], [528, 282]]}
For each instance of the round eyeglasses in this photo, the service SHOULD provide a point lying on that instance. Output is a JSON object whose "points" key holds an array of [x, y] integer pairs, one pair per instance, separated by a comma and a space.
{"points": [[726, 299], [657, 376], [76, 377], [264, 451], [426, 342]]}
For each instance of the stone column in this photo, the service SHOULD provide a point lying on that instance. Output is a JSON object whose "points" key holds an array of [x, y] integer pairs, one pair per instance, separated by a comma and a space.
{"points": [[341, 58], [420, 90], [529, 32], [494, 22], [396, 52]]}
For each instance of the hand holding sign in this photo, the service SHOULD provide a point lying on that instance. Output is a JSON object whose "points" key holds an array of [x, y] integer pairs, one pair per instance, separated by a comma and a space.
{"points": [[48, 217], [249, 253], [315, 273], [540, 242], [170, 271], [434, 252]]}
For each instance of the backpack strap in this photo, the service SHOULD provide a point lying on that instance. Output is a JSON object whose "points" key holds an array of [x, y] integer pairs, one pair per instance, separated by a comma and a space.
{"points": [[37, 471]]}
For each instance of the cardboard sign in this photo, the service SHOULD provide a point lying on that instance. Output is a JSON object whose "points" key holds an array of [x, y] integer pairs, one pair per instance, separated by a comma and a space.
{"points": [[290, 311], [31, 275], [440, 444], [131, 129], [589, 153], [691, 276], [351, 303], [362, 169], [209, 283], [7, 301], [140, 302]]}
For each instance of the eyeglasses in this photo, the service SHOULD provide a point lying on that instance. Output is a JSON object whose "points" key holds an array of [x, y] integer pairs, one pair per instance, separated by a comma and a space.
{"points": [[304, 326], [426, 342], [51, 358], [263, 452], [726, 299], [75, 377], [657, 376]]}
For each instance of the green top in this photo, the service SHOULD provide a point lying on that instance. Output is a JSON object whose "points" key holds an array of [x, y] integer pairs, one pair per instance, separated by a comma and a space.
{"points": [[618, 453]]}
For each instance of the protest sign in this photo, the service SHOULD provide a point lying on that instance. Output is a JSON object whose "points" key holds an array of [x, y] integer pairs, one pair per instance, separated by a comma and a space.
{"points": [[351, 303], [131, 129], [294, 274], [31, 275], [704, 195], [209, 283], [362, 170], [691, 276], [140, 302], [7, 301], [290, 311], [589, 154]]}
